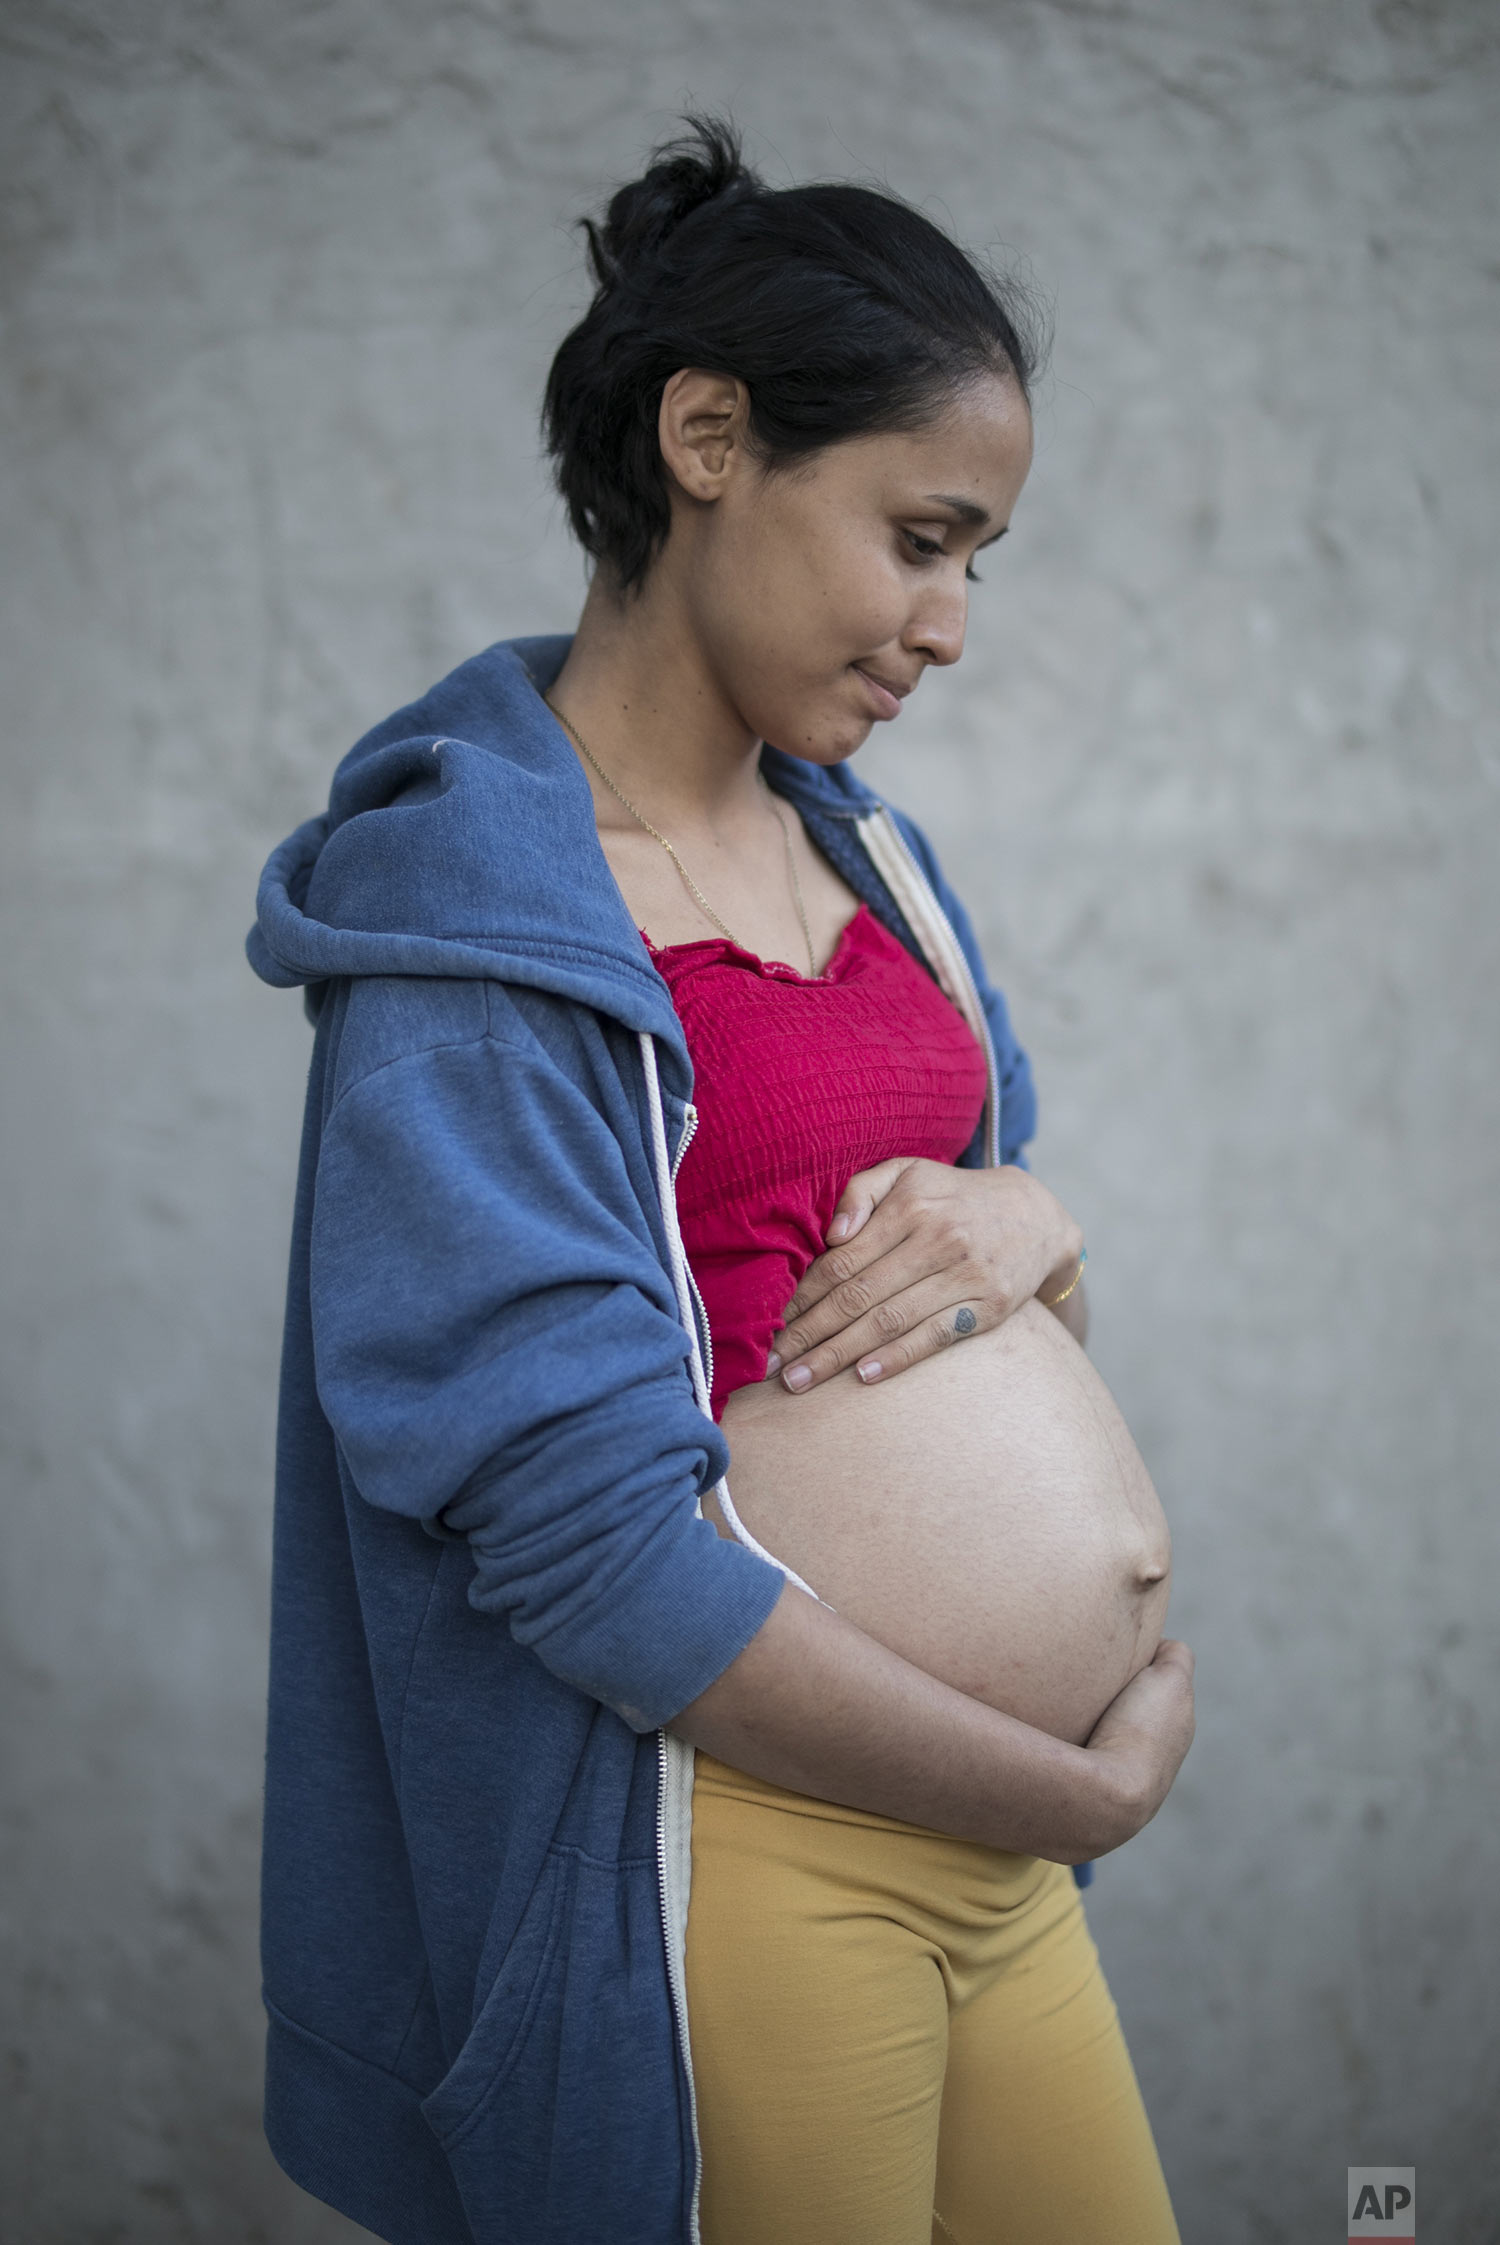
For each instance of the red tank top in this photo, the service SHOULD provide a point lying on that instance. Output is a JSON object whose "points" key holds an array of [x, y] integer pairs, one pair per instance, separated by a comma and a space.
{"points": [[799, 1081]]}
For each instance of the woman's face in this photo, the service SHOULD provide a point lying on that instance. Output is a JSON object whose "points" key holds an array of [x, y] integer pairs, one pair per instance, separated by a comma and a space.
{"points": [[818, 597]]}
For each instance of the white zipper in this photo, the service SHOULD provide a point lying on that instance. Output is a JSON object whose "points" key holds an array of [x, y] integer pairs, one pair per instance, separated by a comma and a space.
{"points": [[674, 1757], [674, 1763], [689, 1132]]}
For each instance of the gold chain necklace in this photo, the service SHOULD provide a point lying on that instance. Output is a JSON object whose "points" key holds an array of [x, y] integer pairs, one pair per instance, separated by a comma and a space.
{"points": [[640, 817]]}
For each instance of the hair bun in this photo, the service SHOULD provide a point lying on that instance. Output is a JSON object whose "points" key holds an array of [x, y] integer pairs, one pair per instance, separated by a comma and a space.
{"points": [[682, 176]]}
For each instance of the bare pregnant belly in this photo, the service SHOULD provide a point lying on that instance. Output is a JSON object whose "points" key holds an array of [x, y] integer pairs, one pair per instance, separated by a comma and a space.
{"points": [[984, 1514]]}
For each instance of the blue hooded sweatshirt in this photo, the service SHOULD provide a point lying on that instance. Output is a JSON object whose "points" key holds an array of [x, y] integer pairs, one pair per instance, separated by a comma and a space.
{"points": [[493, 1583]]}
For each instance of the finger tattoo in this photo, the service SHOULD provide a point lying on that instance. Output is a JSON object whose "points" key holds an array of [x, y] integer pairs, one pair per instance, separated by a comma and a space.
{"points": [[964, 1322]]}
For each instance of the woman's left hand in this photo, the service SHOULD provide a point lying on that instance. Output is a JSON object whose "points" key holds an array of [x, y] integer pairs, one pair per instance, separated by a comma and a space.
{"points": [[922, 1254]]}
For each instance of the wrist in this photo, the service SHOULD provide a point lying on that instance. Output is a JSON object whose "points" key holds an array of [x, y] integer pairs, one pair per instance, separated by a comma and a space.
{"points": [[1064, 1277], [1115, 1802], [1045, 1796], [1061, 1233], [1082, 1810]]}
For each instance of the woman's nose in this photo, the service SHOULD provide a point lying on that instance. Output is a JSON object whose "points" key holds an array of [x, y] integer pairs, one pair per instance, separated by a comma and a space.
{"points": [[938, 630]]}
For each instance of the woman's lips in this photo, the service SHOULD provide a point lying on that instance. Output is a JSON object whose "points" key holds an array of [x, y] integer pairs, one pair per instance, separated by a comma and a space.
{"points": [[886, 703]]}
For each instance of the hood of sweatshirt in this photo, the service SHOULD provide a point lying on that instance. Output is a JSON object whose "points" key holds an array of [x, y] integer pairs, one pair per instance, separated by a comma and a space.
{"points": [[460, 840]]}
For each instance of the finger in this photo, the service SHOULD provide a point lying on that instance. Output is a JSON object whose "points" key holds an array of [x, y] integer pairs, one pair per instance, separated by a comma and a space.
{"points": [[861, 1197], [836, 1267], [857, 1280], [898, 1331], [956, 1321], [901, 1217]]}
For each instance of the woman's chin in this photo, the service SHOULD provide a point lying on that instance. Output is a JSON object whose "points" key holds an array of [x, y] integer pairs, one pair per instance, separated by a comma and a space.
{"points": [[841, 739]]}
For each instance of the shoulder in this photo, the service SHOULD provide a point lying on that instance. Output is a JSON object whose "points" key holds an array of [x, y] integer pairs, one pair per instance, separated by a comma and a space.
{"points": [[408, 1023]]}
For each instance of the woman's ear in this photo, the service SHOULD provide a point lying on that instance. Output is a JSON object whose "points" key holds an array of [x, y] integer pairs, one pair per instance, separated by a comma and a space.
{"points": [[700, 426]]}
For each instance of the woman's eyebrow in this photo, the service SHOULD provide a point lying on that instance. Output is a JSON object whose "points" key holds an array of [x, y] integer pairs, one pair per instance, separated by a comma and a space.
{"points": [[965, 509]]}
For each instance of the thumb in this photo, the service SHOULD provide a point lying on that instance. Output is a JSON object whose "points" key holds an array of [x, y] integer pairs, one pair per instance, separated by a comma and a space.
{"points": [[861, 1197]]}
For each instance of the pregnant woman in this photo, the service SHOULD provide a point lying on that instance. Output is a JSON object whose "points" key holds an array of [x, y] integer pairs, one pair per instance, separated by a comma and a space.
{"points": [[715, 1600]]}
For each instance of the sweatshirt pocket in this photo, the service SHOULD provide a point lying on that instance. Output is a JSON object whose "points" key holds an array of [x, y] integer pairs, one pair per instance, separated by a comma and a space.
{"points": [[565, 2117], [499, 2034]]}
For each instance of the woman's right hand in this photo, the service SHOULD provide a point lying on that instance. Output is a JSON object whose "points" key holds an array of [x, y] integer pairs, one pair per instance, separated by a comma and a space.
{"points": [[1143, 1736], [814, 1704]]}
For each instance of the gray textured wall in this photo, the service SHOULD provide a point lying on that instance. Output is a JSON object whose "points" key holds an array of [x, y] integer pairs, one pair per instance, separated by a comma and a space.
{"points": [[1219, 774]]}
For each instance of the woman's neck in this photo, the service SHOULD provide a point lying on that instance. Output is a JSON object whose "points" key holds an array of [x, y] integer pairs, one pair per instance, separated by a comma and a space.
{"points": [[640, 691]]}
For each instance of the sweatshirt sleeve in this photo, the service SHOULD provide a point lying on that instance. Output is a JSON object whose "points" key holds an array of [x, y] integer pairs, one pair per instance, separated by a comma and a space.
{"points": [[1017, 1091], [499, 1354]]}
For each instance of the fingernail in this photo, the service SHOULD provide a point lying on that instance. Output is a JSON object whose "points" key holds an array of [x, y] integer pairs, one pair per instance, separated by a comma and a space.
{"points": [[773, 1364], [838, 1227], [869, 1372], [798, 1377]]}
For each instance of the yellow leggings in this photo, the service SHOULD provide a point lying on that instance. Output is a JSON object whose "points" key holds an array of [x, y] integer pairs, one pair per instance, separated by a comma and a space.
{"points": [[900, 2038]]}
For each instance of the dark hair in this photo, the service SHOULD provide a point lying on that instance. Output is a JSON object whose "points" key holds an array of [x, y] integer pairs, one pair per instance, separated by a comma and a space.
{"points": [[841, 308]]}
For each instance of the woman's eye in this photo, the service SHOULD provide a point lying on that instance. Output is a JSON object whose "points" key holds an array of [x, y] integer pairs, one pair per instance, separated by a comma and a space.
{"points": [[926, 547]]}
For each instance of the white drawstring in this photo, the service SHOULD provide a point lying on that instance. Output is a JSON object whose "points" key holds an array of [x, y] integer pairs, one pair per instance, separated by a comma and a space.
{"points": [[666, 1193], [892, 856]]}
